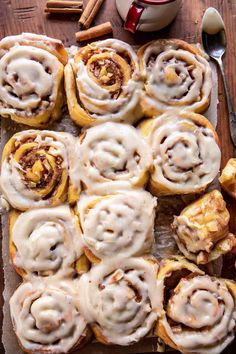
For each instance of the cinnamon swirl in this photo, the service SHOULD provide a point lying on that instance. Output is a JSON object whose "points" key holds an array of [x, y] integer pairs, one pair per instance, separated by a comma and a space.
{"points": [[39, 169], [177, 76], [117, 224], [186, 155], [34, 96], [102, 84], [45, 242], [199, 310], [119, 299], [114, 157], [47, 319]]}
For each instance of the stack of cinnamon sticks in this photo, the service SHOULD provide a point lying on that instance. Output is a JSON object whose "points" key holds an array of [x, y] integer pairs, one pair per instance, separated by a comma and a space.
{"points": [[88, 14], [87, 18]]}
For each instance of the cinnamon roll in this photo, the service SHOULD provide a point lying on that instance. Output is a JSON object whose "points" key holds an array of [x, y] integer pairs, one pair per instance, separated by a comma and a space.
{"points": [[113, 157], [45, 242], [39, 168], [102, 84], [199, 311], [121, 224], [118, 297], [186, 155], [228, 178], [201, 230], [47, 318], [177, 76], [34, 96]]}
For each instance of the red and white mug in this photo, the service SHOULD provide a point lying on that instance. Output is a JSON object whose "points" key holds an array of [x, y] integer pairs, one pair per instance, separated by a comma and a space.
{"points": [[147, 15]]}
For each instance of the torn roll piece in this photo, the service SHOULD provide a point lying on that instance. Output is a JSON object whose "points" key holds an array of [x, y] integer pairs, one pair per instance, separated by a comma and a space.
{"points": [[201, 230]]}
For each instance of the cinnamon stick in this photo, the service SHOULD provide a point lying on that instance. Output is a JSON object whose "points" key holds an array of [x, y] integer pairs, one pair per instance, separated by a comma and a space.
{"points": [[94, 32], [64, 4], [90, 12], [61, 10], [64, 7]]}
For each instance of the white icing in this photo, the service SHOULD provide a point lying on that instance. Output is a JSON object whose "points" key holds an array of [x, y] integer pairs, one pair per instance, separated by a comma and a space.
{"points": [[207, 308], [13, 187], [190, 234], [47, 318], [98, 101], [192, 85], [48, 241], [4, 205], [113, 157], [186, 156], [121, 224], [27, 39], [107, 298], [29, 80], [212, 22]]}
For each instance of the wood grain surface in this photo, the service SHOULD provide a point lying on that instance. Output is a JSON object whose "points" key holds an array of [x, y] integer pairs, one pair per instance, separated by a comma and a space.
{"points": [[17, 16]]}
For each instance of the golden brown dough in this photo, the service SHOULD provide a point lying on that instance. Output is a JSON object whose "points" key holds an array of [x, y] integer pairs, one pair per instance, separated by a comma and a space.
{"points": [[199, 310], [228, 177], [177, 76], [201, 230]]}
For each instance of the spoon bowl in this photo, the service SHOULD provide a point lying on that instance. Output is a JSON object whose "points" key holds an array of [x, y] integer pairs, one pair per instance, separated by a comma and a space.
{"points": [[214, 44]]}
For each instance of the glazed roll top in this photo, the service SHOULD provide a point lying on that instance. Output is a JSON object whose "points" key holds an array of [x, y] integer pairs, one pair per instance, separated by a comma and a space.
{"points": [[52, 45], [177, 76], [119, 299], [33, 96], [45, 242], [37, 169], [113, 157], [104, 84], [186, 155], [47, 319], [199, 309], [120, 224]]}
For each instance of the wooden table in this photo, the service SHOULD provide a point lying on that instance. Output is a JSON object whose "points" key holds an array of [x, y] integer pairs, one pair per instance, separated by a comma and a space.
{"points": [[18, 16]]}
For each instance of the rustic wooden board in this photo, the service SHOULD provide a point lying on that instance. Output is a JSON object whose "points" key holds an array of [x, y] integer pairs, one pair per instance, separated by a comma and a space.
{"points": [[17, 16]]}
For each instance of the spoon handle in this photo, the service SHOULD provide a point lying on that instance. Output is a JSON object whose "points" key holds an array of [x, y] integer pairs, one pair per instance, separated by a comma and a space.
{"points": [[232, 114]]}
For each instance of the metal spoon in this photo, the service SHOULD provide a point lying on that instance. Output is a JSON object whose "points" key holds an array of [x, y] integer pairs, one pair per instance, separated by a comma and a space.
{"points": [[214, 43]]}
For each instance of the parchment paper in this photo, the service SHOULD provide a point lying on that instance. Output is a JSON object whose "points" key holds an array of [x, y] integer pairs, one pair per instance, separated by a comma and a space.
{"points": [[164, 246]]}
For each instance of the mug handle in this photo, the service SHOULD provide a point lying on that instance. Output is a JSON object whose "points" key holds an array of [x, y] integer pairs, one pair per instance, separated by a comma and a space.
{"points": [[133, 16]]}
